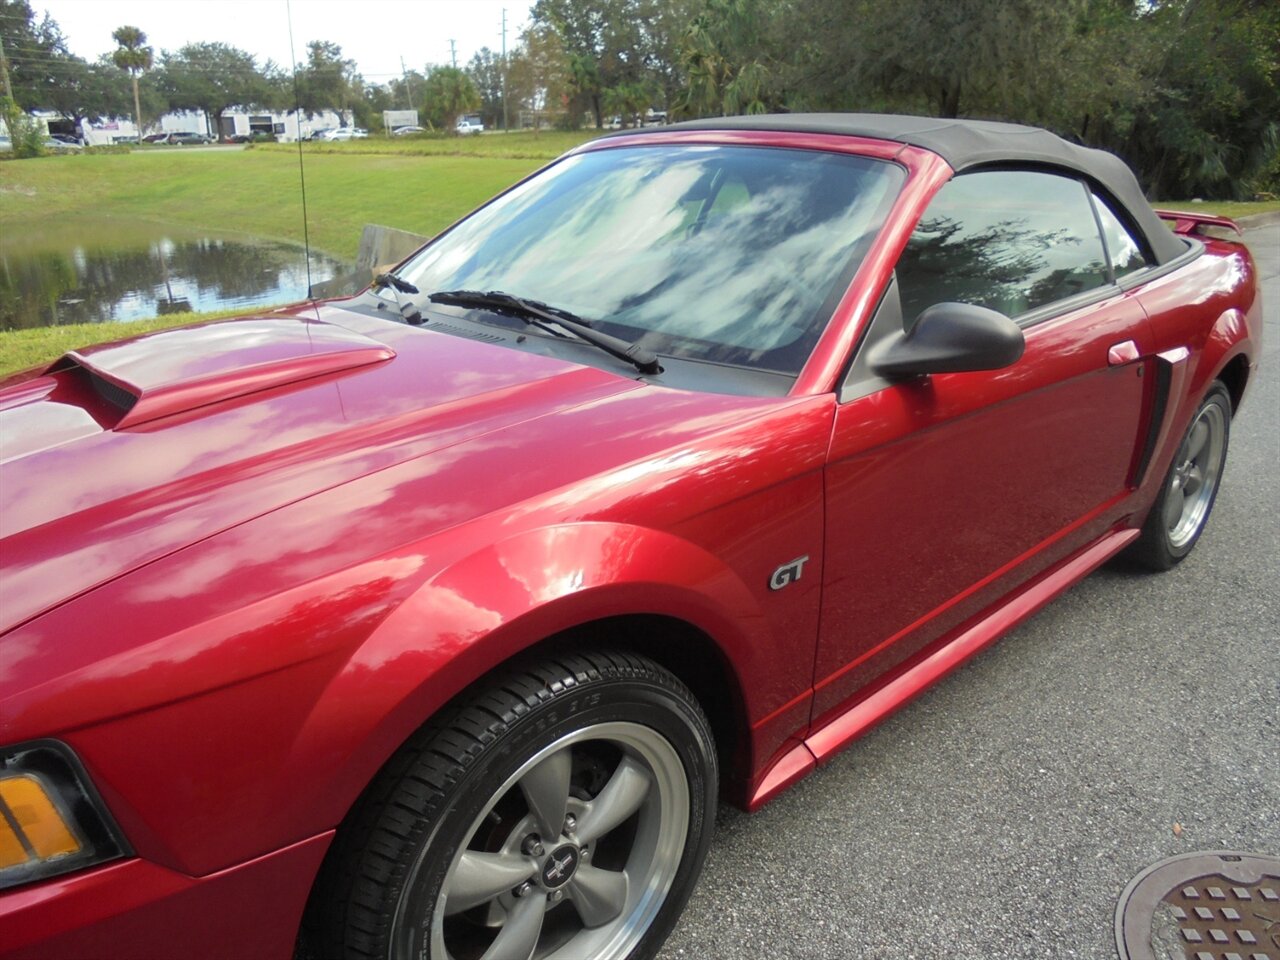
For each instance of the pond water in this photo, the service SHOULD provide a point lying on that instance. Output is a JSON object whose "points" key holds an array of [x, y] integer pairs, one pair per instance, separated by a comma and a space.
{"points": [[96, 270]]}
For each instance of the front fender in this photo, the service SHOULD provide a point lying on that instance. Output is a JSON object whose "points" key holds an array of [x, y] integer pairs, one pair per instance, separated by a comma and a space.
{"points": [[495, 602]]}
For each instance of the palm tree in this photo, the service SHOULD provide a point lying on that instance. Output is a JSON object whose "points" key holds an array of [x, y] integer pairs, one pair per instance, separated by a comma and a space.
{"points": [[630, 101], [584, 80], [134, 58], [449, 94]]}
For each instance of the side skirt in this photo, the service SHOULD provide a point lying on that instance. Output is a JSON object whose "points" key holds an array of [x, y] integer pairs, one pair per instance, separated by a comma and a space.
{"points": [[837, 733]]}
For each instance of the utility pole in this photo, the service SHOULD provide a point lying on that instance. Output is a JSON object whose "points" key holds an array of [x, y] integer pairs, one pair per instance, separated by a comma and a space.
{"points": [[408, 94], [9, 110], [505, 126], [4, 75], [453, 53]]}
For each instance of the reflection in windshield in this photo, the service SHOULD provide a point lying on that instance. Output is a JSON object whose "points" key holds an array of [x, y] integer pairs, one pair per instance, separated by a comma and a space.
{"points": [[731, 254]]}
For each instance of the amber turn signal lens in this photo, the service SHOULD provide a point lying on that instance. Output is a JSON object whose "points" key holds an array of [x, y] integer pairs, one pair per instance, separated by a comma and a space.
{"points": [[33, 828]]}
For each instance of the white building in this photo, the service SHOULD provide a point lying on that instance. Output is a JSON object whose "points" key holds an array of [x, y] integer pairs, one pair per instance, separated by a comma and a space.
{"points": [[283, 126]]}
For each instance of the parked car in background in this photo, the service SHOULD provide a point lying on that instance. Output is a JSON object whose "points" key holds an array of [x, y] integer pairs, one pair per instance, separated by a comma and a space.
{"points": [[156, 138], [256, 136], [56, 145], [435, 621], [68, 139], [185, 139], [407, 131], [346, 133], [469, 125]]}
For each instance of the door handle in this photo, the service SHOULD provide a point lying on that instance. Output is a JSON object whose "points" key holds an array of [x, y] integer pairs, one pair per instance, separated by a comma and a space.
{"points": [[1122, 353]]}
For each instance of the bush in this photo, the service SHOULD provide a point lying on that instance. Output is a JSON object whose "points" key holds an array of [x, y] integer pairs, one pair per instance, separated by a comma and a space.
{"points": [[24, 132]]}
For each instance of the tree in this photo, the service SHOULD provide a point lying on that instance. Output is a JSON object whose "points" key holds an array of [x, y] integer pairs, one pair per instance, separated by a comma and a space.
{"points": [[587, 88], [327, 80], [368, 110], [538, 78], [34, 52], [406, 89], [209, 78], [628, 101], [89, 92], [448, 94], [1210, 125], [964, 57], [733, 60], [134, 57], [486, 71], [616, 43]]}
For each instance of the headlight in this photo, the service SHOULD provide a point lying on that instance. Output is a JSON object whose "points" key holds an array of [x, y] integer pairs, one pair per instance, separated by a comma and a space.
{"points": [[52, 821]]}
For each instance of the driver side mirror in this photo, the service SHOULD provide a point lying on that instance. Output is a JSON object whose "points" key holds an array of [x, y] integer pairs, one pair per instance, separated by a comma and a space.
{"points": [[951, 338]]}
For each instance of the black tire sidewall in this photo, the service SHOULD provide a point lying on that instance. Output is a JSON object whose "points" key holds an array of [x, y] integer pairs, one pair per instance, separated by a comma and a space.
{"points": [[647, 703]]}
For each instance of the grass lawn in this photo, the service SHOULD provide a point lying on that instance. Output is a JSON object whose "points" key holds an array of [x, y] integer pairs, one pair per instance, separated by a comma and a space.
{"points": [[39, 346], [546, 145], [252, 192], [256, 191], [1220, 208]]}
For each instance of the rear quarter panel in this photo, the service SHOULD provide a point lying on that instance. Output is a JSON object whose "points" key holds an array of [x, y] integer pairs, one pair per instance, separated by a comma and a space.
{"points": [[1204, 315]]}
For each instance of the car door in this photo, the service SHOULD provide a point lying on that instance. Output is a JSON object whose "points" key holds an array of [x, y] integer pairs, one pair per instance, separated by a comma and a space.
{"points": [[945, 492]]}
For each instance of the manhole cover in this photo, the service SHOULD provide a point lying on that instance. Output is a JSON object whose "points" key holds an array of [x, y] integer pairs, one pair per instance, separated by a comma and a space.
{"points": [[1202, 906]]}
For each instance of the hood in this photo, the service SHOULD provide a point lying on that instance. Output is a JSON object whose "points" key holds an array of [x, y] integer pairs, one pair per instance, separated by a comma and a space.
{"points": [[121, 454]]}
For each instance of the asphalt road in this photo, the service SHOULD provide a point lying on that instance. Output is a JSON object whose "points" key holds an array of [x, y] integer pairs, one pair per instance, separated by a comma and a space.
{"points": [[1002, 813]]}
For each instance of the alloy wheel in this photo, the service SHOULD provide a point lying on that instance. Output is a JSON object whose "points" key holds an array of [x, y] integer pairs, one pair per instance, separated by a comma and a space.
{"points": [[572, 856], [1195, 476]]}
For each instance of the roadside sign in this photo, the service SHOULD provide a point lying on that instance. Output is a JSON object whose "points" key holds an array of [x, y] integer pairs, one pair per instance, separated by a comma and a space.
{"points": [[399, 118]]}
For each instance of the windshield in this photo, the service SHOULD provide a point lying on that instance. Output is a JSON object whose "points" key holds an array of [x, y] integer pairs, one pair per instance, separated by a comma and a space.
{"points": [[729, 254]]}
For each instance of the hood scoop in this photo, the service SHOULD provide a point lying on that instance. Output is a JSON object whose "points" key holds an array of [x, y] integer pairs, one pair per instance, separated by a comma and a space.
{"points": [[173, 371]]}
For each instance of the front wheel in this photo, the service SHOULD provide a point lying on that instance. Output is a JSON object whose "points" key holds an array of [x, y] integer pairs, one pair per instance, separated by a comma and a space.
{"points": [[1180, 513], [564, 813]]}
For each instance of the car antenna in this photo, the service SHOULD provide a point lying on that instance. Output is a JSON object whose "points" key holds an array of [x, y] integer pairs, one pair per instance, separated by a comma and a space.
{"points": [[302, 175]]}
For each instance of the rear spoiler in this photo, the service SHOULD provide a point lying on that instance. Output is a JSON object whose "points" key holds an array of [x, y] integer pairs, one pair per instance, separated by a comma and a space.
{"points": [[1196, 224]]}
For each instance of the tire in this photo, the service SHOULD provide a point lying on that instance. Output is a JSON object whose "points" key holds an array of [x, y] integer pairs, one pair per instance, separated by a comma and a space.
{"points": [[1178, 517], [567, 809]]}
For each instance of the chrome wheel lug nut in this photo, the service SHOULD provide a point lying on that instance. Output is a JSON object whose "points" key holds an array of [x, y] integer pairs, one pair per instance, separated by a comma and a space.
{"points": [[533, 845], [555, 896], [570, 823], [523, 890]]}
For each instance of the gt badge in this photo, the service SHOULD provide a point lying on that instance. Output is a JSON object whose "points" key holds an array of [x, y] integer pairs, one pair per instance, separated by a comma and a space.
{"points": [[788, 573]]}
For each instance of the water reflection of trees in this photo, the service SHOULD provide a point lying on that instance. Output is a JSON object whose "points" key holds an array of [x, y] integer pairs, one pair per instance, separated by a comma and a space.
{"points": [[1003, 266], [89, 285]]}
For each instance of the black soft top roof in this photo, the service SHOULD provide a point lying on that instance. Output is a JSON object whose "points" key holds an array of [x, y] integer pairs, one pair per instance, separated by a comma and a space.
{"points": [[966, 144]]}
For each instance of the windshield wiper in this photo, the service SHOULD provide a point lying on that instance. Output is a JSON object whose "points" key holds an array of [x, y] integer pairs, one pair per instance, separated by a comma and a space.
{"points": [[532, 311], [407, 309], [391, 280]]}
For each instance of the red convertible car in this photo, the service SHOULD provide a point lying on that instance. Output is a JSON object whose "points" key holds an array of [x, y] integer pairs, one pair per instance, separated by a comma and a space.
{"points": [[435, 622]]}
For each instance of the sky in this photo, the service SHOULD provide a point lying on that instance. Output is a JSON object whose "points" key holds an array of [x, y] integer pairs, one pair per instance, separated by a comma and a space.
{"points": [[374, 33]]}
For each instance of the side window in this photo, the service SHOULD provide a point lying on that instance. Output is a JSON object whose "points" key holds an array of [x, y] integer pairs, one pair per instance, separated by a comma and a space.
{"points": [[1126, 252], [1010, 240]]}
